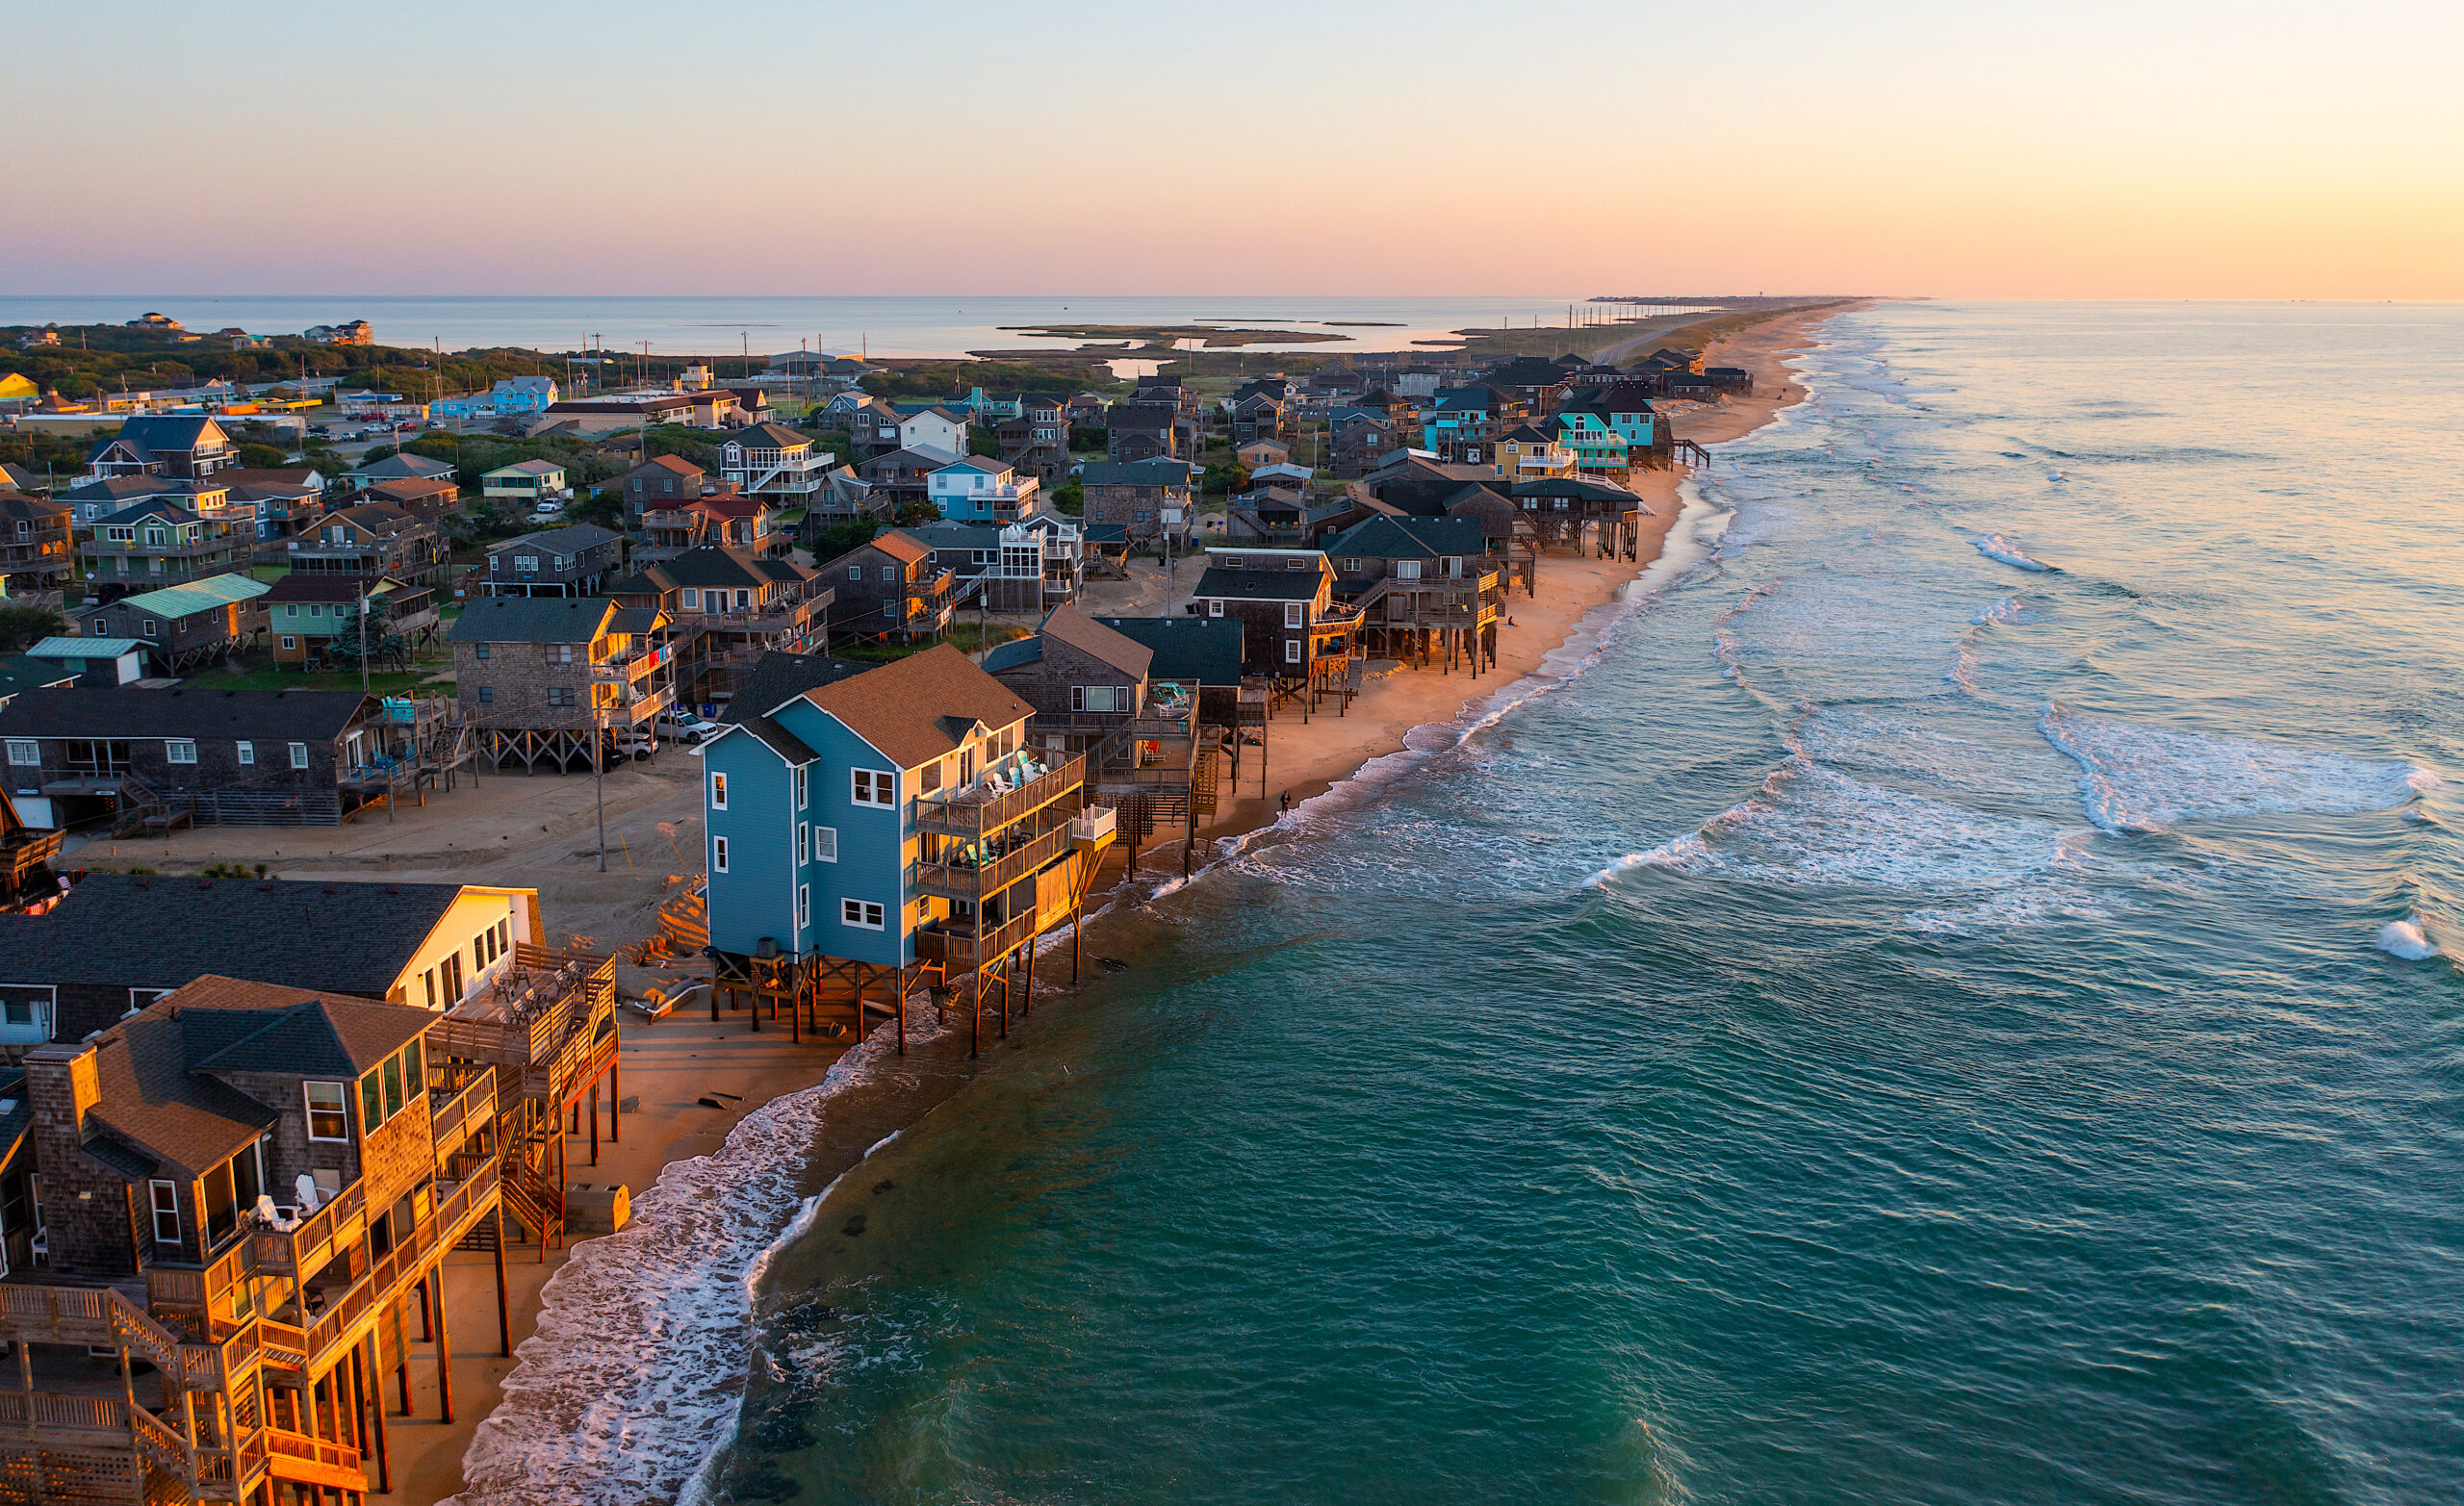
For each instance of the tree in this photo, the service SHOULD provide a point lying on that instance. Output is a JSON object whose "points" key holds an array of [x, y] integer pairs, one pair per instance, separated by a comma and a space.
{"points": [[982, 440], [22, 627], [841, 537], [261, 457]]}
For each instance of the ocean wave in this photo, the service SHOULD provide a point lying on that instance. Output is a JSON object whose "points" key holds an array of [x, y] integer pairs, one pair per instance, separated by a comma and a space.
{"points": [[2134, 777], [2407, 940], [1994, 545], [636, 1367]]}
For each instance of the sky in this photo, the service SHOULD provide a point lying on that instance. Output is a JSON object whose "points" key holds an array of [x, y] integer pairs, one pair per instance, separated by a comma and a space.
{"points": [[2086, 150]]}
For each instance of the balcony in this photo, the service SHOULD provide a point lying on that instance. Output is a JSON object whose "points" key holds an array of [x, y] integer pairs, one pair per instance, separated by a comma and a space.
{"points": [[1094, 825], [965, 948], [977, 873], [992, 802]]}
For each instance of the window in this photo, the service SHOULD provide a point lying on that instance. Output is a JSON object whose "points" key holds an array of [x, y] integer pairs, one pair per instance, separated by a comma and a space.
{"points": [[315, 609], [179, 749], [166, 1211], [718, 791], [1215, 607], [25, 1012], [487, 694], [804, 904], [371, 1103], [150, 628], [1291, 651], [290, 643], [299, 755], [561, 695], [25, 751], [691, 598], [560, 654], [1291, 614], [1099, 698], [718, 854], [861, 914], [931, 779], [1407, 570], [825, 844], [525, 562], [804, 841], [873, 787], [247, 751], [328, 1119], [855, 571], [800, 785], [482, 652], [431, 978]]}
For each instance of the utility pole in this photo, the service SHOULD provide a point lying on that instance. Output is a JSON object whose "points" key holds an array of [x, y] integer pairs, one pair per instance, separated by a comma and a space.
{"points": [[363, 635], [599, 772]]}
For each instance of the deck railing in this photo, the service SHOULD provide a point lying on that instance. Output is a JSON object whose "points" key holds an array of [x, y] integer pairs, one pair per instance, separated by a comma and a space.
{"points": [[971, 948], [977, 810], [979, 881]]}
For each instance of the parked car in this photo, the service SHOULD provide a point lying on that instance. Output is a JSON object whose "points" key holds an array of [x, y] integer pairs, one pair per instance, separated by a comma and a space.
{"points": [[634, 743], [548, 509], [685, 727]]}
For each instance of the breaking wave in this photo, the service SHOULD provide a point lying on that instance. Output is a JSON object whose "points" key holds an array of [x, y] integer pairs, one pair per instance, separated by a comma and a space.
{"points": [[1995, 546], [2134, 777], [2407, 940]]}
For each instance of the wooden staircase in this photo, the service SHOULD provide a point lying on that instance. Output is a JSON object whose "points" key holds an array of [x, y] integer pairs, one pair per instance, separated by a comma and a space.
{"points": [[684, 920]]}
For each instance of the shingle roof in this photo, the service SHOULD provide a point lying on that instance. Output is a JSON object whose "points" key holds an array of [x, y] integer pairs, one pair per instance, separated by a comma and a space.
{"points": [[69, 648], [1065, 624], [1015, 653], [150, 434], [895, 544], [532, 619], [672, 465], [778, 434], [317, 586], [268, 1028], [1408, 538], [403, 466], [1258, 585], [778, 678], [1203, 650], [527, 468], [1160, 471], [197, 595], [164, 932], [916, 710], [707, 565], [572, 539], [411, 489], [267, 715], [24, 671], [17, 504]]}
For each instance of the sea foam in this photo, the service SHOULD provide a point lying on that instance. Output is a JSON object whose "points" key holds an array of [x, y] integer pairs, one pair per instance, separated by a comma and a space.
{"points": [[2136, 776], [634, 1372], [2405, 938], [1994, 545]]}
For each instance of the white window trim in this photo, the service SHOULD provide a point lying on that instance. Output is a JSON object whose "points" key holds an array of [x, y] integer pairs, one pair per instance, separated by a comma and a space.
{"points": [[804, 787], [825, 844], [25, 751], [247, 750], [718, 790], [343, 1089], [155, 1188], [1291, 651], [855, 912], [804, 904], [718, 854], [299, 755], [804, 841], [860, 780], [179, 749]]}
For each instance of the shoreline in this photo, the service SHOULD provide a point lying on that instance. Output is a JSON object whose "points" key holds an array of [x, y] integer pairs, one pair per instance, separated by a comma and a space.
{"points": [[604, 1401]]}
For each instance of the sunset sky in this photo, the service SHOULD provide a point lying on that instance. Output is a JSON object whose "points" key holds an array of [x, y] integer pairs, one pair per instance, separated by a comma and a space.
{"points": [[2127, 150]]}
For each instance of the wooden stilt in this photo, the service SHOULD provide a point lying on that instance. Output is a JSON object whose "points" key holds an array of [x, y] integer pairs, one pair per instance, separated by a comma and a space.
{"points": [[1005, 998], [900, 976], [974, 1037], [504, 1312], [615, 1100], [403, 1359], [1027, 994], [444, 1350], [594, 1121], [427, 1321], [1078, 935], [364, 1366]]}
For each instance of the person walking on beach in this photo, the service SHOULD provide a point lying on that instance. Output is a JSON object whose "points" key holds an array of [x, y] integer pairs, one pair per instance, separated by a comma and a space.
{"points": [[1286, 807]]}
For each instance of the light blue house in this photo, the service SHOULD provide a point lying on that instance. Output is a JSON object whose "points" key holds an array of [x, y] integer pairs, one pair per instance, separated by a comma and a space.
{"points": [[979, 489], [892, 822]]}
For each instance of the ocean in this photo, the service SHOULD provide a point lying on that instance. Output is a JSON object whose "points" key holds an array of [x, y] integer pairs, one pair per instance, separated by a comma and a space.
{"points": [[893, 326], [1948, 1000]]}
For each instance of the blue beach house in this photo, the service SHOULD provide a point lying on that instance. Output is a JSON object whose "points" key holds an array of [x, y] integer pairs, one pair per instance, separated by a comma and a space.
{"points": [[887, 830], [979, 489]]}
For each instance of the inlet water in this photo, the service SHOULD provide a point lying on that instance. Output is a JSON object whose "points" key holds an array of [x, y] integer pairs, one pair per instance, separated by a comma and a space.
{"points": [[1914, 1021]]}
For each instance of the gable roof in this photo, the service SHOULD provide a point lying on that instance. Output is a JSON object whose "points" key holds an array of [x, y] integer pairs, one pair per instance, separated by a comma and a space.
{"points": [[164, 932], [532, 619], [1409, 538], [1065, 624], [1013, 654], [382, 519], [412, 489], [268, 1028], [671, 465], [705, 565], [404, 468], [525, 468], [895, 544], [778, 434], [66, 648], [1259, 585], [270, 715], [197, 595], [986, 464], [1155, 471], [1203, 650], [24, 671], [148, 436], [571, 539], [778, 678], [319, 586], [918, 708]]}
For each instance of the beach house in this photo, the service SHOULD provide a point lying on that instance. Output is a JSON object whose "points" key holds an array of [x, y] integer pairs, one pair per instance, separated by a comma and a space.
{"points": [[885, 833], [979, 489], [524, 483]]}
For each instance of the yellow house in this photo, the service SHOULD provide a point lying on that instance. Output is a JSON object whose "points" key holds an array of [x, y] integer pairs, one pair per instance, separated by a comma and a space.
{"points": [[16, 387], [1526, 454]]}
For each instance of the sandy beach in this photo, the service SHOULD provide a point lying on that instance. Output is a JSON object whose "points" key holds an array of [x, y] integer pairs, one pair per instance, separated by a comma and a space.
{"points": [[632, 1374]]}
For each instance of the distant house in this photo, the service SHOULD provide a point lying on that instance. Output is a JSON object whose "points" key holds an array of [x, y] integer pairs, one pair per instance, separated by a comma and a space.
{"points": [[524, 483], [903, 477], [1535, 383], [547, 679], [662, 479], [1037, 442], [1459, 425], [932, 427], [1142, 431], [434, 501], [1283, 599], [579, 559], [102, 663], [714, 408], [979, 489], [1529, 453], [1191, 651], [190, 449], [306, 613], [1262, 452], [183, 626], [521, 396], [1363, 446], [1141, 497], [730, 518], [728, 605], [1035, 562], [965, 550], [1082, 678], [400, 467], [372, 539], [286, 500], [888, 590], [874, 424], [159, 544], [1260, 416], [34, 550], [774, 463], [1734, 380], [228, 758]]}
